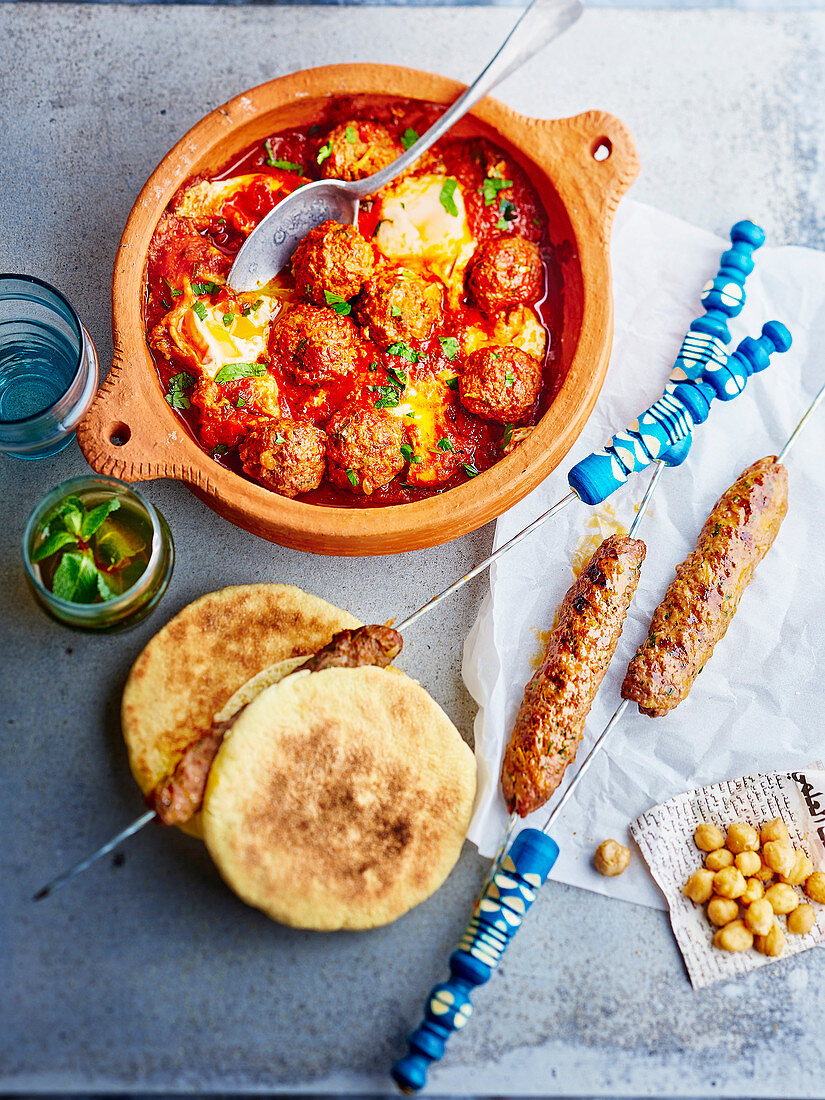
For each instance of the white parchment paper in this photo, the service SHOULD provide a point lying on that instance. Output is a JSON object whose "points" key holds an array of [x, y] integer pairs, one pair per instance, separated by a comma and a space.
{"points": [[759, 705], [665, 836]]}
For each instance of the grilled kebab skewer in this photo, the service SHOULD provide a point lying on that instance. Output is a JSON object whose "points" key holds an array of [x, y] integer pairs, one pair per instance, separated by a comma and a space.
{"points": [[178, 798], [738, 533]]}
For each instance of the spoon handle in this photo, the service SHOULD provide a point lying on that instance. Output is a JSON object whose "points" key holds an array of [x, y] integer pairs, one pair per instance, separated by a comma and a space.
{"points": [[540, 23]]}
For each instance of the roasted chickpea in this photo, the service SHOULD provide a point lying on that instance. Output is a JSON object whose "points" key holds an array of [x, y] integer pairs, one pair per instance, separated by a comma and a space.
{"points": [[779, 857], [718, 859], [611, 858], [699, 886], [773, 943], [801, 920], [760, 917], [708, 837], [783, 898], [734, 937], [775, 830], [748, 863], [729, 882], [742, 838], [764, 874], [815, 887], [800, 871], [753, 892], [722, 911]]}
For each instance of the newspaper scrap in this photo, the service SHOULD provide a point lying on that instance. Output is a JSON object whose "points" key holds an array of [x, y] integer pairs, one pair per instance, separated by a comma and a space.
{"points": [[665, 836]]}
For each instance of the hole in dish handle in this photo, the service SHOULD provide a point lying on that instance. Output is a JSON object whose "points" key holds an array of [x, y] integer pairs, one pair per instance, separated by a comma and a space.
{"points": [[119, 432], [607, 154]]}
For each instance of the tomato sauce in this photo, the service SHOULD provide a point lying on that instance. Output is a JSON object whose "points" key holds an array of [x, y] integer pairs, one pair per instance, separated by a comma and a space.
{"points": [[469, 444]]}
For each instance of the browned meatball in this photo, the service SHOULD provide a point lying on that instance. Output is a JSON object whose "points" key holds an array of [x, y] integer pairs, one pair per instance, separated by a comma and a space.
{"points": [[364, 446], [500, 383], [354, 150], [285, 455], [334, 259], [315, 344], [505, 273], [399, 304]]}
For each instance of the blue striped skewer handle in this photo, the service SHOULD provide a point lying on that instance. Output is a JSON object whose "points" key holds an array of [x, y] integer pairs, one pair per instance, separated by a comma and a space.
{"points": [[702, 371], [497, 917]]}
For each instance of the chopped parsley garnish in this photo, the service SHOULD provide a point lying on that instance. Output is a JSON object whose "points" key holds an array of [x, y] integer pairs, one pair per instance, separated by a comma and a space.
{"points": [[220, 449], [506, 439], [177, 384], [449, 345], [278, 439], [205, 288], [395, 311], [165, 304], [324, 152], [351, 135], [452, 383], [353, 478], [398, 377], [241, 402], [469, 469], [227, 319], [490, 189], [716, 530], [507, 210], [339, 304], [404, 351], [509, 379], [175, 293], [536, 221], [447, 196], [253, 308], [406, 452], [445, 445], [287, 166], [199, 309], [388, 397], [409, 137], [233, 371], [372, 366]]}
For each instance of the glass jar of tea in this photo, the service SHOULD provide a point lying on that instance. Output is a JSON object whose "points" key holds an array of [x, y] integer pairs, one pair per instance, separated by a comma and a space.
{"points": [[97, 554]]}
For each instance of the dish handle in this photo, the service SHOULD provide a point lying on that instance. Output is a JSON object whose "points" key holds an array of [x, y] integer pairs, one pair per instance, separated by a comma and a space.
{"points": [[599, 158], [123, 434]]}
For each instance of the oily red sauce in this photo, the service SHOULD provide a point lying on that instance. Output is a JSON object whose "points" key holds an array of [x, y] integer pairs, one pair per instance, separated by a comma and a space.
{"points": [[477, 441]]}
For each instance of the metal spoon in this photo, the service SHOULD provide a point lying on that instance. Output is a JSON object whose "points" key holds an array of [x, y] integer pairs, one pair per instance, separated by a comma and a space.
{"points": [[272, 242]]}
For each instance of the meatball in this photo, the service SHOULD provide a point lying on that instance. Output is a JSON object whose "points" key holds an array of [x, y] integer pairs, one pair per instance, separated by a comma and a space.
{"points": [[316, 345], [285, 455], [364, 445], [505, 272], [332, 259], [500, 383], [399, 304], [355, 150]]}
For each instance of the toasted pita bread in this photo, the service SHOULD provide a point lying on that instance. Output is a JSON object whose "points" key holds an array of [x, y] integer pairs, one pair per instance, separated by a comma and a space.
{"points": [[192, 666], [339, 799]]}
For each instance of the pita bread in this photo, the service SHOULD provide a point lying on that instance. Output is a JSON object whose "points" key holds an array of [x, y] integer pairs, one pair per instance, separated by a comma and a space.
{"points": [[339, 799], [192, 666]]}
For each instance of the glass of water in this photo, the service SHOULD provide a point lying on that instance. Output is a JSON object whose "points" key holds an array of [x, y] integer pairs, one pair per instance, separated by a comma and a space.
{"points": [[48, 368]]}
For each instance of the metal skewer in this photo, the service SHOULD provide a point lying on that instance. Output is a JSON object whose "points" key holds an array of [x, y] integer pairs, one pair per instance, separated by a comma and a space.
{"points": [[510, 891], [662, 434]]}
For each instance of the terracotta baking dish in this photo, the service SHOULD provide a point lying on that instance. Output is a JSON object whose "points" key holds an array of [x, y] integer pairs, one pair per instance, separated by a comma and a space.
{"points": [[131, 432]]}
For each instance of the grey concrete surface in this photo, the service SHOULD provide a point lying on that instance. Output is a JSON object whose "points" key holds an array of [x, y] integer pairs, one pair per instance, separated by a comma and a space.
{"points": [[151, 976]]}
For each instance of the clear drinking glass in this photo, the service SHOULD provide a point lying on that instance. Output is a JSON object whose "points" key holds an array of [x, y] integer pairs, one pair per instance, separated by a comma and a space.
{"points": [[48, 368]]}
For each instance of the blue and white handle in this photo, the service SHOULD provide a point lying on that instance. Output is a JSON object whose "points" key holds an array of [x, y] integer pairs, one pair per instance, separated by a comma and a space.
{"points": [[702, 371], [497, 917]]}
